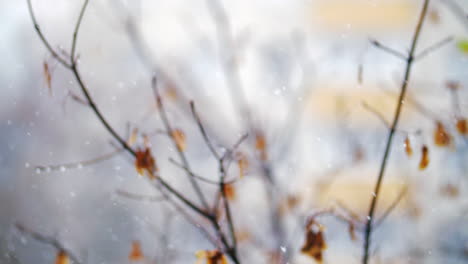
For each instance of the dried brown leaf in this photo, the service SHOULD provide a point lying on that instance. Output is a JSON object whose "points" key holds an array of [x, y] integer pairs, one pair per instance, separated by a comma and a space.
{"points": [[210, 257], [314, 244], [145, 163], [179, 138], [136, 254], [424, 158], [62, 258]]}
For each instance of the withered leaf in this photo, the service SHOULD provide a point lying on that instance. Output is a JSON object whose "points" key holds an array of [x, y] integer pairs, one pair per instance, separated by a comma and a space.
{"points": [[260, 145], [145, 163], [452, 85], [314, 244], [179, 138], [133, 136], [62, 258], [424, 158], [210, 257], [243, 164], [352, 231], [450, 190], [441, 136], [462, 126], [47, 76], [408, 148], [230, 191], [136, 253]]}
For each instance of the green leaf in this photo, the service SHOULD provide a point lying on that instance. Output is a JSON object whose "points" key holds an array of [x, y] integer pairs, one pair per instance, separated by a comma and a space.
{"points": [[462, 45]]}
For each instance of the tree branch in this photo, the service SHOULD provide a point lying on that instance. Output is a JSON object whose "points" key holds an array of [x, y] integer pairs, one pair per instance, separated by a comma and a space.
{"points": [[383, 165]]}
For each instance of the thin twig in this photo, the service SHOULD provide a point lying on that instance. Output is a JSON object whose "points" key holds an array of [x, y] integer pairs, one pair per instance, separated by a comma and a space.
{"points": [[73, 67], [433, 47], [59, 58], [196, 176], [77, 165], [391, 207], [139, 197], [391, 51], [404, 85], [203, 131], [75, 33], [47, 240], [180, 152], [376, 113]]}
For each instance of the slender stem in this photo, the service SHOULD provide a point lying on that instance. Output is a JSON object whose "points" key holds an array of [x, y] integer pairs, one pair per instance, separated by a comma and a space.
{"points": [[75, 32], [47, 240], [62, 61], [389, 50], [203, 131], [192, 174], [433, 47], [404, 85], [222, 187], [74, 68], [180, 152]]}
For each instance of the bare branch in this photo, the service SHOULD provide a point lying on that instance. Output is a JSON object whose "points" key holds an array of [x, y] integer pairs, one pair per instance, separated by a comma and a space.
{"points": [[168, 127], [391, 207], [433, 47], [376, 113], [77, 165], [203, 131], [139, 197], [383, 165], [47, 240], [192, 174], [391, 51], [46, 43]]}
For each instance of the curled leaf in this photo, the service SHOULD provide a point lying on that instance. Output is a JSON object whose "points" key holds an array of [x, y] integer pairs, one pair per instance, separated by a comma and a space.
{"points": [[243, 164], [47, 76], [434, 16], [441, 137], [145, 163], [230, 191], [260, 145], [171, 93], [291, 202], [452, 85], [179, 138], [352, 231], [136, 253], [133, 136], [450, 190], [210, 257], [462, 126], [62, 258], [424, 158], [408, 148], [314, 244], [243, 236]]}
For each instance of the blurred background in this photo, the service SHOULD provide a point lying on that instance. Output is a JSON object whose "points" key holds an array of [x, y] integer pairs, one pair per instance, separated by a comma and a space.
{"points": [[312, 82]]}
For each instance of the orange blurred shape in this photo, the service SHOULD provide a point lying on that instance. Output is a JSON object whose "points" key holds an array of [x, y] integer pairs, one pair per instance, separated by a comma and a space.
{"points": [[243, 164], [462, 126], [210, 257], [424, 158], [441, 136], [136, 254], [144, 162], [408, 148], [179, 138], [62, 258], [314, 244], [230, 191]]}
